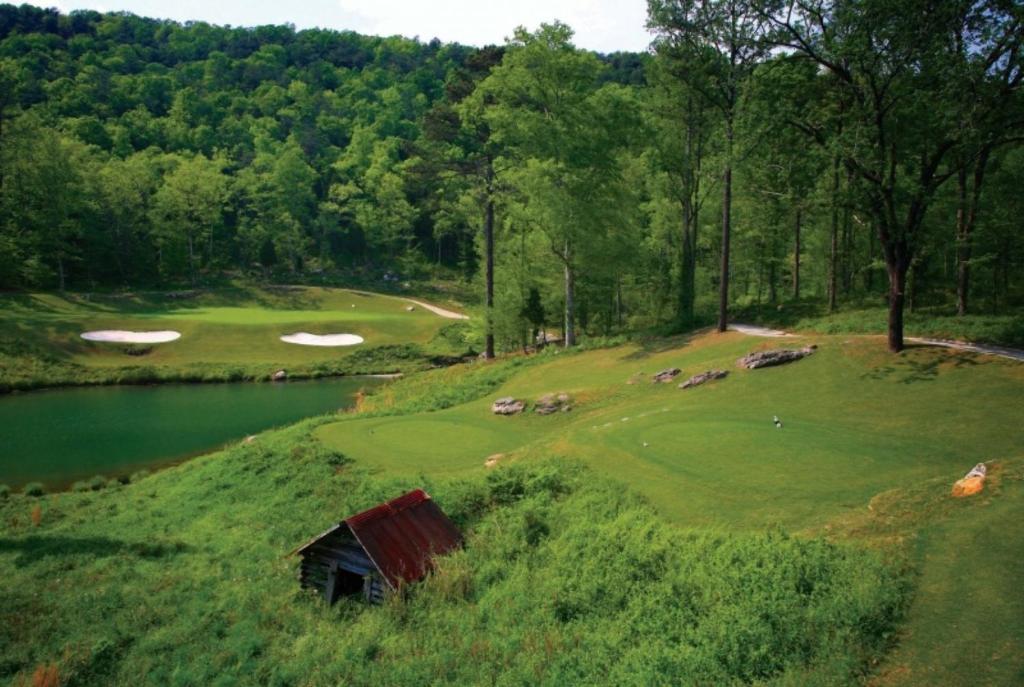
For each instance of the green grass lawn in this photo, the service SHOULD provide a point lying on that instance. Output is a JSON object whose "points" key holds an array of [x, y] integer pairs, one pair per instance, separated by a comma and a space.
{"points": [[855, 422], [40, 341], [870, 446]]}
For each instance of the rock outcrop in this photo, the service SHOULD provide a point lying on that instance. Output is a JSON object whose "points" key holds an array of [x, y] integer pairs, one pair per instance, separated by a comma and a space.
{"points": [[553, 403], [972, 482], [779, 356], [702, 378], [666, 375], [507, 406]]}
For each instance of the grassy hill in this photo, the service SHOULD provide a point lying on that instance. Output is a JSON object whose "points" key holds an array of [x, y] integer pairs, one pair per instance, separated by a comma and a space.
{"points": [[725, 551], [227, 334]]}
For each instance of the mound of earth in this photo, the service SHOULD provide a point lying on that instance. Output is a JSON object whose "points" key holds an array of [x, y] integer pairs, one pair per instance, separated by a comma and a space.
{"points": [[121, 336], [779, 356], [306, 339]]}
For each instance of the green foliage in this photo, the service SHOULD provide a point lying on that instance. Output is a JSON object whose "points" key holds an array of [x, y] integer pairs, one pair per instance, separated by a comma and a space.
{"points": [[5, 491], [33, 489], [564, 579]]}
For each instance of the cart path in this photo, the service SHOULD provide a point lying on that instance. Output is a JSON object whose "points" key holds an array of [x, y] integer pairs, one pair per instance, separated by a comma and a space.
{"points": [[450, 314], [983, 349]]}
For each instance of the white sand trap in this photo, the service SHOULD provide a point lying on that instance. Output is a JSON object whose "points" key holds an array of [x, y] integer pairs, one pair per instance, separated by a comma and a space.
{"points": [[121, 336], [306, 339]]}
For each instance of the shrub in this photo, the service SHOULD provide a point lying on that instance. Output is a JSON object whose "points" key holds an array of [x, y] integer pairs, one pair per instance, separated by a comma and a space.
{"points": [[5, 491], [98, 482], [33, 489], [139, 476], [80, 485], [137, 350]]}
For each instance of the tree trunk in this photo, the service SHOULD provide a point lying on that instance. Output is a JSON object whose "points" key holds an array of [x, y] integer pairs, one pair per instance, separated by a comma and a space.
{"points": [[489, 249], [966, 217], [618, 302], [723, 286], [897, 287], [834, 252], [191, 262], [796, 256], [688, 265], [570, 299]]}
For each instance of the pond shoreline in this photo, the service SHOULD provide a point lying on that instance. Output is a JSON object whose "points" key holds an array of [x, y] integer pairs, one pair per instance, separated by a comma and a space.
{"points": [[185, 380], [69, 438]]}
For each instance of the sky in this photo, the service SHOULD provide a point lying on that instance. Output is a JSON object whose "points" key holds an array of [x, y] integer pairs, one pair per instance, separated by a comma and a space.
{"points": [[601, 25]]}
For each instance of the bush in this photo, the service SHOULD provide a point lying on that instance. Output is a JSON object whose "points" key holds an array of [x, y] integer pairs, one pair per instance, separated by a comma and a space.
{"points": [[98, 482], [139, 476], [80, 485], [136, 350], [33, 489], [5, 491]]}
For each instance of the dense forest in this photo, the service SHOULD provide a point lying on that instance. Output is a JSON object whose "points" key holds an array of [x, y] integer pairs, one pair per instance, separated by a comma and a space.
{"points": [[853, 151]]}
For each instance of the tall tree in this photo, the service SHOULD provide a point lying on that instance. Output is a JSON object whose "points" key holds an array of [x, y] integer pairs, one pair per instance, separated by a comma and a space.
{"points": [[897, 70], [189, 205], [721, 42], [566, 133], [463, 147]]}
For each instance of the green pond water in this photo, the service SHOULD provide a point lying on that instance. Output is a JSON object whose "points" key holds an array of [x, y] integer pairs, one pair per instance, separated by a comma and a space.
{"points": [[57, 437]]}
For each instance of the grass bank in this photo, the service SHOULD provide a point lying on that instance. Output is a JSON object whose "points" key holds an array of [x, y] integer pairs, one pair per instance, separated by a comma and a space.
{"points": [[649, 535], [231, 334]]}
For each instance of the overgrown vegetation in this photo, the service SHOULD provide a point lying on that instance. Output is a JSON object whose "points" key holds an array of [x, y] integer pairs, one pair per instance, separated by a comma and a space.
{"points": [[564, 579]]}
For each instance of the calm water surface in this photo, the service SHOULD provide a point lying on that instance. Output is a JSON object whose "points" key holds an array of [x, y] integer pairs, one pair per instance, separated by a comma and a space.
{"points": [[57, 437]]}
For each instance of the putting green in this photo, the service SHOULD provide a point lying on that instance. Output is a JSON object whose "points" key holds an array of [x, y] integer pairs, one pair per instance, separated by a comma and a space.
{"points": [[856, 421], [240, 326]]}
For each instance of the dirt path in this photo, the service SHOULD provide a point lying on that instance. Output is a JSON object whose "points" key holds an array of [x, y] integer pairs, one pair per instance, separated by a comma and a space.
{"points": [[1011, 353], [450, 314], [983, 349]]}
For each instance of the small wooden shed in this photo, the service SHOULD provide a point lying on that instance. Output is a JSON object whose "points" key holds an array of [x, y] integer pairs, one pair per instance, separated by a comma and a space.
{"points": [[379, 549]]}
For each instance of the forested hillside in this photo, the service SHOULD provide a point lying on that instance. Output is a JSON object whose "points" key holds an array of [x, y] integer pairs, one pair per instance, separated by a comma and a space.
{"points": [[608, 192]]}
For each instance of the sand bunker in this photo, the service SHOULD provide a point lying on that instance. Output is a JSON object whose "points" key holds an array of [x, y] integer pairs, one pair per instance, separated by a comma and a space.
{"points": [[306, 339], [120, 336]]}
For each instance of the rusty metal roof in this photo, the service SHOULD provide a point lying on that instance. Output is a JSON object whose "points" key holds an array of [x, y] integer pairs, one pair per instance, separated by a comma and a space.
{"points": [[402, 535]]}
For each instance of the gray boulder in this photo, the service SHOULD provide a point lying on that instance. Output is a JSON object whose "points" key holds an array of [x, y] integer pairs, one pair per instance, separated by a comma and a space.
{"points": [[703, 377], [667, 375], [507, 406], [779, 356], [280, 376]]}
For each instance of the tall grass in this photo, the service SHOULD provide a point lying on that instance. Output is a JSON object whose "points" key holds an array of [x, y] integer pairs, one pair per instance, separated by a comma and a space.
{"points": [[565, 579]]}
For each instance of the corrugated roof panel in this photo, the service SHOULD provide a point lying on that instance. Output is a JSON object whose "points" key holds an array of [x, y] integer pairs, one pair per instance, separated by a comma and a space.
{"points": [[402, 535]]}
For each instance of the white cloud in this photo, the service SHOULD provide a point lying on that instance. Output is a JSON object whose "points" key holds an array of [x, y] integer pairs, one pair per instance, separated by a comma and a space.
{"points": [[605, 25]]}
